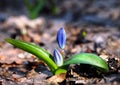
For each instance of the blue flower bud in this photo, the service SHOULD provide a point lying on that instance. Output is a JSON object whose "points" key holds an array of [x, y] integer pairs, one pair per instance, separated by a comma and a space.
{"points": [[61, 38], [58, 58]]}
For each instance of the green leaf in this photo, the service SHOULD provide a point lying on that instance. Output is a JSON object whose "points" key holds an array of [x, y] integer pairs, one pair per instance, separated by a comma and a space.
{"points": [[37, 8], [28, 4], [88, 58], [36, 50]]}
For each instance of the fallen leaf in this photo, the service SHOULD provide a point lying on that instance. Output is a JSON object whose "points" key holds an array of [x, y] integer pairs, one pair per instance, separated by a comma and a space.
{"points": [[57, 78]]}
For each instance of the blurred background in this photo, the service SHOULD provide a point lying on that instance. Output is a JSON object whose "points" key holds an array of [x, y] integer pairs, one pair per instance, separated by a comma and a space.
{"points": [[65, 9], [38, 20], [85, 21]]}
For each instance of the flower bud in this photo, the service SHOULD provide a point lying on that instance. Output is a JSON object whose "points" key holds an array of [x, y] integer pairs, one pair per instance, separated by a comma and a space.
{"points": [[61, 38], [58, 58]]}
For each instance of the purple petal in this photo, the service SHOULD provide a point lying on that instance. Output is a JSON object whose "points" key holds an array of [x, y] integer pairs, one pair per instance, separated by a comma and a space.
{"points": [[58, 57], [61, 38]]}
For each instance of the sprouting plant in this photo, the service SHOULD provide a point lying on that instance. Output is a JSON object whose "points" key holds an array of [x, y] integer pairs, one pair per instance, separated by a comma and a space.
{"points": [[34, 7], [56, 62]]}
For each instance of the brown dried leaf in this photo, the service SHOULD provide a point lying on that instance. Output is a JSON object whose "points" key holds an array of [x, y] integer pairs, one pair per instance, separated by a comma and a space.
{"points": [[57, 78]]}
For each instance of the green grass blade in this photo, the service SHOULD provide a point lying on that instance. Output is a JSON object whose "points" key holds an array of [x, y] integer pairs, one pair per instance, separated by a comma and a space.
{"points": [[88, 58], [36, 50]]}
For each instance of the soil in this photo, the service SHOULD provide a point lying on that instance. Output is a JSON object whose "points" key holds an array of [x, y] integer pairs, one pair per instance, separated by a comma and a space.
{"points": [[100, 20]]}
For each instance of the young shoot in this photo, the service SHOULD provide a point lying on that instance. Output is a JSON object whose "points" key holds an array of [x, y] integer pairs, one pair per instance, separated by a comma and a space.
{"points": [[56, 62]]}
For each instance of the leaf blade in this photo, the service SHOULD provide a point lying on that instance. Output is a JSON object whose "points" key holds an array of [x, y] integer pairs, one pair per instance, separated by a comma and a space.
{"points": [[88, 58], [35, 50]]}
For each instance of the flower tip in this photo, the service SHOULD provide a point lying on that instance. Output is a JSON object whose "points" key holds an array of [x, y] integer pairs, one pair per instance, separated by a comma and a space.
{"points": [[62, 29]]}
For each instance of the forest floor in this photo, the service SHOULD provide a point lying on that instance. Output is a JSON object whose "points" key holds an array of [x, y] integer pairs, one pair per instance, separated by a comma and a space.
{"points": [[102, 30]]}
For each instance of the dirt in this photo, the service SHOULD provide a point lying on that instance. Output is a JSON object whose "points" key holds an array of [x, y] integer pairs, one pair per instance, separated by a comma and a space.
{"points": [[100, 20]]}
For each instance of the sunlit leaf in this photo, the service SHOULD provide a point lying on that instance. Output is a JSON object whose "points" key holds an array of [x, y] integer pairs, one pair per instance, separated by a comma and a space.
{"points": [[36, 50], [88, 58]]}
